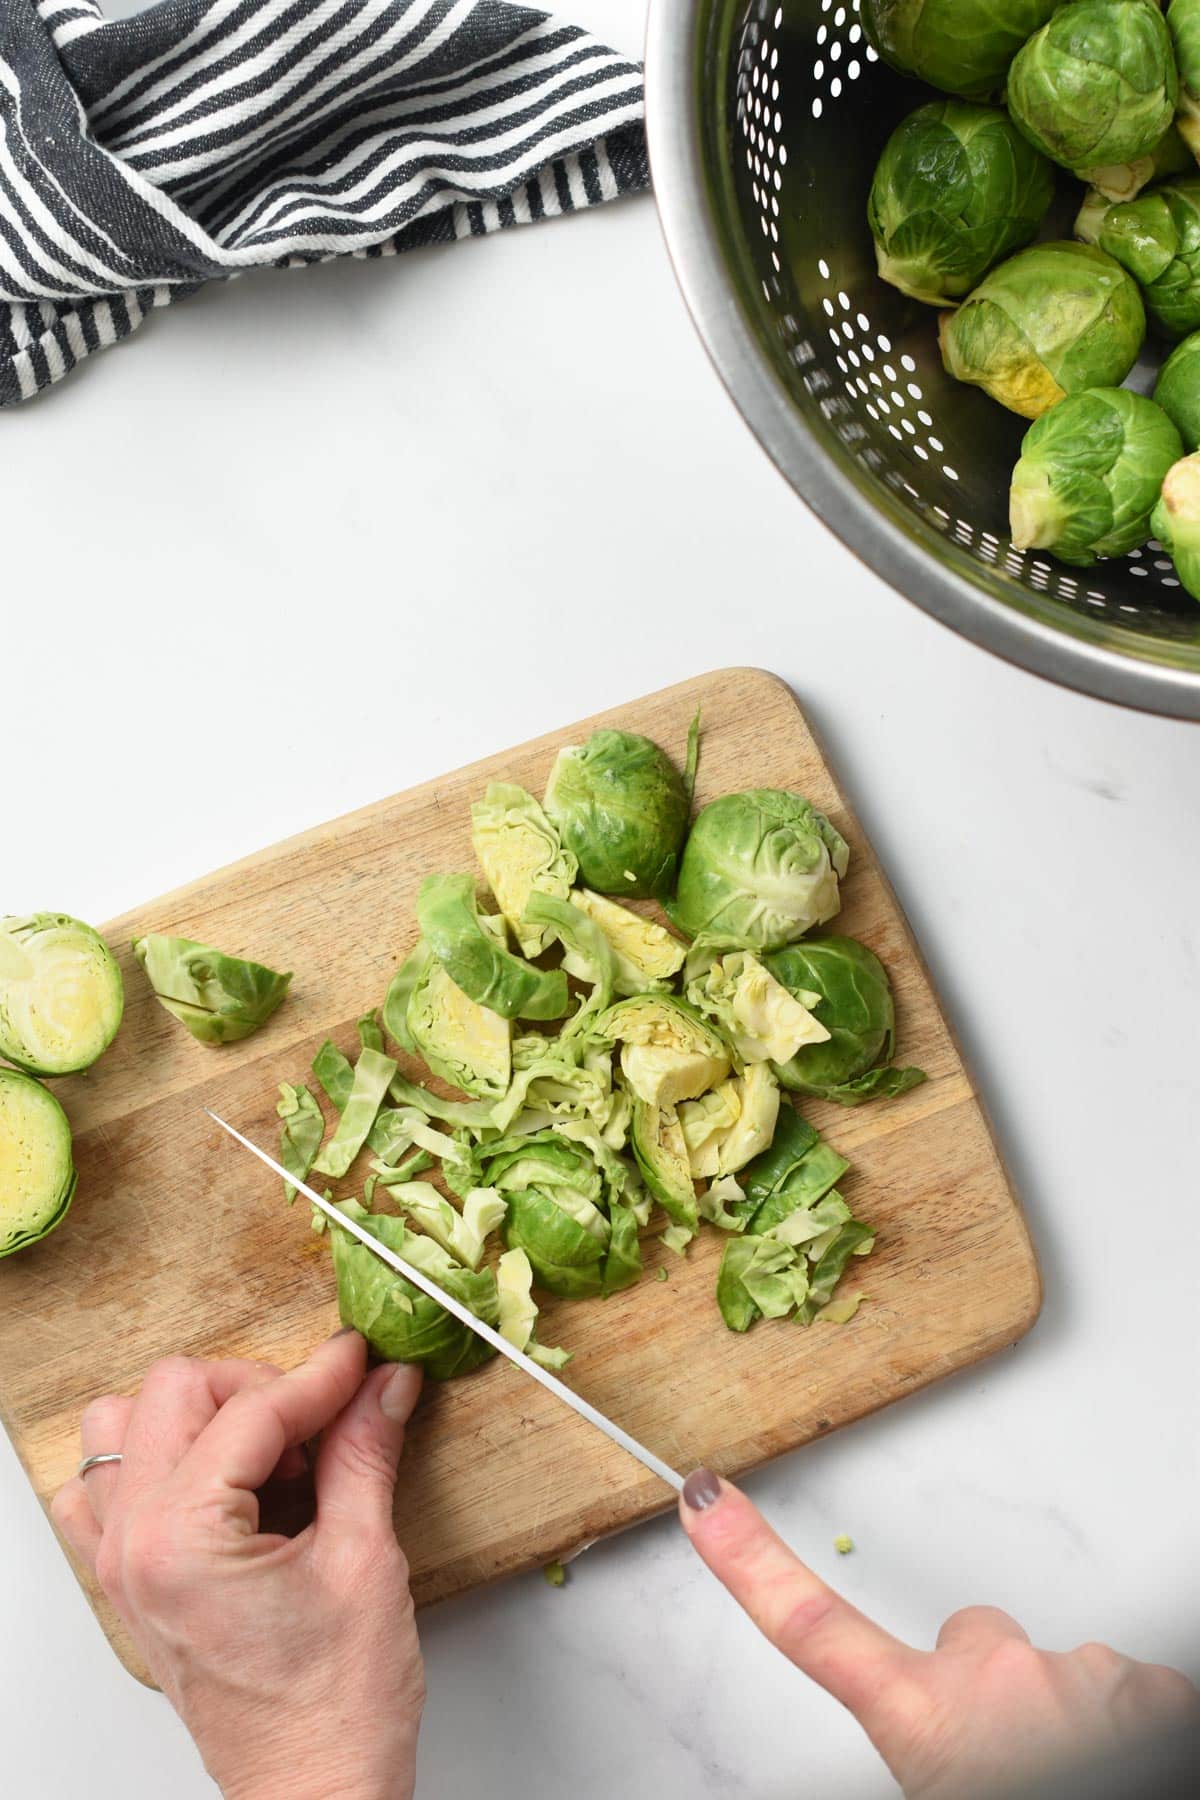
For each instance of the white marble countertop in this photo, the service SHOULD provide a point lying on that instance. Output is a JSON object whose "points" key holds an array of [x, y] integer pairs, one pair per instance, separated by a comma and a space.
{"points": [[313, 537]]}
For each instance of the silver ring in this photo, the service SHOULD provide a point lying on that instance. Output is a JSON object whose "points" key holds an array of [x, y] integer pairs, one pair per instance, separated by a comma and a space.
{"points": [[93, 1462]]}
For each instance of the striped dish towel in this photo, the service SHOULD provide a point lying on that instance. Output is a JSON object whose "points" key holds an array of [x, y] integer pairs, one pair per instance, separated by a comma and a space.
{"points": [[142, 157]]}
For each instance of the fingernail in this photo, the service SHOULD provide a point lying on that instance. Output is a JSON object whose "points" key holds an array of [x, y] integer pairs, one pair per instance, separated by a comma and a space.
{"points": [[395, 1396], [702, 1488]]}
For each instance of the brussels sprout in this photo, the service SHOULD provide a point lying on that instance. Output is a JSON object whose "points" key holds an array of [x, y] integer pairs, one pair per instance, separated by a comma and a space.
{"points": [[854, 1001], [1183, 22], [469, 1046], [661, 1153], [461, 1234], [763, 1020], [520, 854], [646, 954], [61, 996], [518, 1310], [567, 1258], [1051, 320], [776, 1167], [1157, 238], [960, 46], [399, 1321], [372, 1073], [957, 188], [476, 961], [221, 999], [1177, 390], [37, 1175], [588, 957], [1116, 182], [759, 1278], [705, 1124], [761, 867], [1096, 85], [669, 1051], [758, 1092], [1176, 520], [814, 1177], [1089, 475], [621, 807], [301, 1133]]}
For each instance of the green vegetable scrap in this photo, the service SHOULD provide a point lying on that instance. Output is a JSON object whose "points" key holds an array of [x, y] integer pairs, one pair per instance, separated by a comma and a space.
{"points": [[37, 1173], [621, 808], [221, 999], [843, 1544], [960, 46], [555, 1574], [956, 189], [1090, 474], [1177, 390], [61, 995], [1157, 238], [301, 1133], [1175, 521], [847, 988], [760, 868]]}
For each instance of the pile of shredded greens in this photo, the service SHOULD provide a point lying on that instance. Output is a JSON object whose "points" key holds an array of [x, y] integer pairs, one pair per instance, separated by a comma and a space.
{"points": [[607, 1071]]}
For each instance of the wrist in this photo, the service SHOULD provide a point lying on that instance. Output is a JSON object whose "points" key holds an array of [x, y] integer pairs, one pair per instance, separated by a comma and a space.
{"points": [[310, 1777]]}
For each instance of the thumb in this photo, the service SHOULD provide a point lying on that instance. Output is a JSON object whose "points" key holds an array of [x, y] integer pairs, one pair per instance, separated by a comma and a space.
{"points": [[355, 1476]]}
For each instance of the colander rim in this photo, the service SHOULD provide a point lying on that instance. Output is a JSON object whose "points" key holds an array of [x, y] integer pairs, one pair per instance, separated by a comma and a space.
{"points": [[674, 59]]}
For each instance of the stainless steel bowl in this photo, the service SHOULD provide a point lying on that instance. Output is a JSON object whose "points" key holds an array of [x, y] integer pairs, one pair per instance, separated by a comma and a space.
{"points": [[765, 121]]}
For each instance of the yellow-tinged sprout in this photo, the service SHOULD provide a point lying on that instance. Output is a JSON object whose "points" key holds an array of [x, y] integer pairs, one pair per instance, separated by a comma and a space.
{"points": [[762, 1020], [61, 995], [842, 1544], [669, 1052], [755, 1127], [645, 952], [1176, 520], [706, 1123], [466, 1044], [37, 1175], [520, 853]]}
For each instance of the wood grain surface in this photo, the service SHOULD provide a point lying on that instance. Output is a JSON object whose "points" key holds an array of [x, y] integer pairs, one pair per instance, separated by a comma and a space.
{"points": [[178, 1242]]}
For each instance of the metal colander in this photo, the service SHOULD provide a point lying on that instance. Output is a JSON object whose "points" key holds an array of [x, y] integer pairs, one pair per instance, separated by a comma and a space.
{"points": [[765, 121]]}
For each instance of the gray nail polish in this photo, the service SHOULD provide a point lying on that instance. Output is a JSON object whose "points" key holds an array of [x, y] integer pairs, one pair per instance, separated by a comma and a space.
{"points": [[702, 1488]]}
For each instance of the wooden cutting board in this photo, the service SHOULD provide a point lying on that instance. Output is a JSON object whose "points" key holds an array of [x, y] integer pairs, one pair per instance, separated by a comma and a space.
{"points": [[178, 1242]]}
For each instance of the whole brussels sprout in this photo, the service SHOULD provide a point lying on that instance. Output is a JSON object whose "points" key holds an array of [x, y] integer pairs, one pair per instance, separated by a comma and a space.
{"points": [[761, 868], [1183, 23], [1089, 475], [1157, 238], [1175, 521], [960, 46], [621, 808], [855, 1006], [1096, 85], [1177, 390], [957, 188], [1051, 320]]}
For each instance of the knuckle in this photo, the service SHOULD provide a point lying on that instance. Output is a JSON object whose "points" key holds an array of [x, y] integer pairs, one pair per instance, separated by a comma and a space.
{"points": [[64, 1503], [172, 1372], [109, 1565], [98, 1414], [364, 1458], [799, 1618]]}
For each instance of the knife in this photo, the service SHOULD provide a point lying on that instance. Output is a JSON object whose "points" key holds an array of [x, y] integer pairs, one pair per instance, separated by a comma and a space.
{"points": [[465, 1316]]}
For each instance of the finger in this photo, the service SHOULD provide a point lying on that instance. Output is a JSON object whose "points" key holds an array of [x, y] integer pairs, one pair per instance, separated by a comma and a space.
{"points": [[71, 1511], [102, 1432], [179, 1397], [978, 1628], [854, 1659], [360, 1451], [241, 1446]]}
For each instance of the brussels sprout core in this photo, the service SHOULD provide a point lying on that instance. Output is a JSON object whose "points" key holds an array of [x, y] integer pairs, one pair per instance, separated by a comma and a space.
{"points": [[37, 1176], [1176, 520], [61, 995]]}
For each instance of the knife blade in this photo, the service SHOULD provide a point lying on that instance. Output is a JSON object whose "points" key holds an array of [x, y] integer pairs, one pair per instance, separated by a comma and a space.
{"points": [[465, 1316]]}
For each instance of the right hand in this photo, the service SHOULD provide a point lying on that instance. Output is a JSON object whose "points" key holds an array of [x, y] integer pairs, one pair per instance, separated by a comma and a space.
{"points": [[980, 1712]]}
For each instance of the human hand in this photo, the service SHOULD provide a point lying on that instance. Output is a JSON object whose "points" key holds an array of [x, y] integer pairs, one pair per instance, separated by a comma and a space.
{"points": [[978, 1713], [293, 1661]]}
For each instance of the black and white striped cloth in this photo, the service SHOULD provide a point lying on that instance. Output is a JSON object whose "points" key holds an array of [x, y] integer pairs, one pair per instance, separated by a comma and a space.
{"points": [[142, 157]]}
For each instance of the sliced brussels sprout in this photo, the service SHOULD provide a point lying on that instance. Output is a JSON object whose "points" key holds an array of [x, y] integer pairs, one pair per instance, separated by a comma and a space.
{"points": [[705, 1124], [221, 999], [714, 1204], [813, 1177], [959, 46], [854, 1239], [335, 1073], [369, 1035], [300, 1135], [754, 1128], [669, 1051], [621, 807], [646, 953], [1096, 85], [956, 189], [61, 995], [37, 1174], [554, 1164], [518, 1310], [677, 1238], [854, 1002], [760, 867], [762, 1018], [520, 854], [567, 1257], [589, 955], [1090, 473], [1176, 520], [1183, 22], [814, 1224], [1157, 238], [1177, 390], [399, 1321], [623, 1264], [461, 1234], [1051, 320], [661, 1153], [468, 1045], [476, 961], [776, 1166], [372, 1073]]}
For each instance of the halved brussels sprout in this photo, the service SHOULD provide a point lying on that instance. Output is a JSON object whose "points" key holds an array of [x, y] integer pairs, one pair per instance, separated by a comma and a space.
{"points": [[661, 1153], [61, 995], [759, 867], [567, 1257], [854, 1001], [1096, 85], [475, 959], [1157, 238], [469, 1046], [1051, 320], [621, 807], [1177, 390], [37, 1174], [764, 1020], [399, 1321], [960, 46], [646, 953], [669, 1051], [957, 188], [1089, 475], [221, 999], [1175, 521], [1183, 22], [520, 854]]}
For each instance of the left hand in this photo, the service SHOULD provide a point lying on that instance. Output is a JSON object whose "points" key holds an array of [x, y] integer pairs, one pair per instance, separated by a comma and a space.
{"points": [[264, 1644]]}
